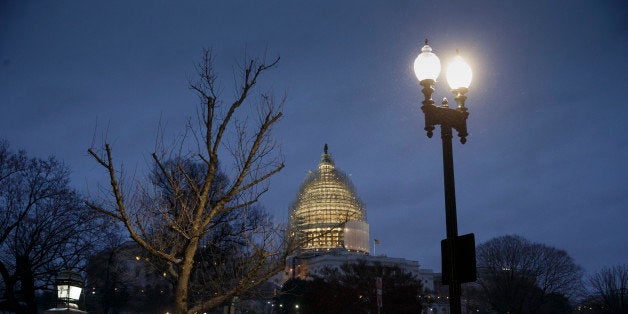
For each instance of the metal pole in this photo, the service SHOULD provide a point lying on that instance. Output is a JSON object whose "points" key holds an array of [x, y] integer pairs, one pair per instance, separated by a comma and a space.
{"points": [[451, 221], [374, 244]]}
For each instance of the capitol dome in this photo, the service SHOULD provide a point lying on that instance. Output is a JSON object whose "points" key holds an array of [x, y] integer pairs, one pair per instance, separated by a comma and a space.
{"points": [[327, 214]]}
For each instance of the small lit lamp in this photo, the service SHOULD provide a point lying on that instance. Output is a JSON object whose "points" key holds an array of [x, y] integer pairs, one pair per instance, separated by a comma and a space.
{"points": [[69, 286], [427, 68], [427, 64], [459, 78]]}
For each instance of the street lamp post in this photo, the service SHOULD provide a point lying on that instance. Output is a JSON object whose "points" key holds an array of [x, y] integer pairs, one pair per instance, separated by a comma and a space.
{"points": [[427, 69], [69, 286]]}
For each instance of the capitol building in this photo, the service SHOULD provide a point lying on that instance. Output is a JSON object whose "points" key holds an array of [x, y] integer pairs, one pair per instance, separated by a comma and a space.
{"points": [[327, 214], [328, 221]]}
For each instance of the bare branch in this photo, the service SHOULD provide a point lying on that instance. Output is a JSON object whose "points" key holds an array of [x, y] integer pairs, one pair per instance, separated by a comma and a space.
{"points": [[190, 206]]}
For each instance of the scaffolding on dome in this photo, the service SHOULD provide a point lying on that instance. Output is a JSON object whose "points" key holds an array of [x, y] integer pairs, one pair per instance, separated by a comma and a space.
{"points": [[327, 200]]}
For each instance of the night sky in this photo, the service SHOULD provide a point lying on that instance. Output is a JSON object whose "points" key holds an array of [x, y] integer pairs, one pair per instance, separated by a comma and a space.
{"points": [[547, 155]]}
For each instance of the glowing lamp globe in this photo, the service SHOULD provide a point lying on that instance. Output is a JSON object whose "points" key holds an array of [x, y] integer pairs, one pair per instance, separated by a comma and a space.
{"points": [[427, 64], [69, 285], [459, 74]]}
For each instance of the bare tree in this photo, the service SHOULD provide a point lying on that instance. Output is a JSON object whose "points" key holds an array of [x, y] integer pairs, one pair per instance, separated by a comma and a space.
{"points": [[517, 276], [172, 231], [609, 290], [45, 227]]}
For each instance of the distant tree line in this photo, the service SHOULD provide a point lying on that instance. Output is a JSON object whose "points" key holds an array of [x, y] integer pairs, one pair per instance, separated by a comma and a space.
{"points": [[608, 291], [44, 228], [351, 288], [516, 275]]}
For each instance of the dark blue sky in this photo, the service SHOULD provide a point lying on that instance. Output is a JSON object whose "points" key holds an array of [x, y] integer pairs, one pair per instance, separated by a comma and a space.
{"points": [[547, 153]]}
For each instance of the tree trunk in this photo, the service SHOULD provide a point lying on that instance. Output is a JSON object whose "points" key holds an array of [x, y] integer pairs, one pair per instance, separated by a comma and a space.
{"points": [[181, 289], [11, 304], [27, 281]]}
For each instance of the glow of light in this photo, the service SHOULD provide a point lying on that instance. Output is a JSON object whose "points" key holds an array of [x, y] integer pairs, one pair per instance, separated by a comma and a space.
{"points": [[69, 292], [427, 64], [459, 73]]}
